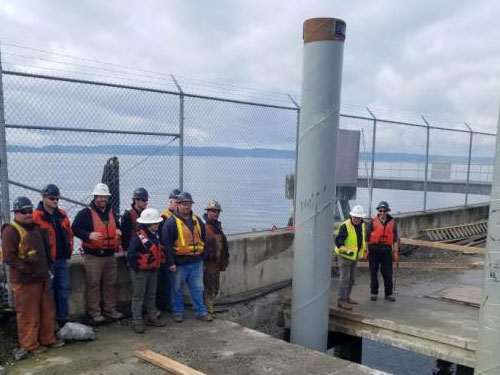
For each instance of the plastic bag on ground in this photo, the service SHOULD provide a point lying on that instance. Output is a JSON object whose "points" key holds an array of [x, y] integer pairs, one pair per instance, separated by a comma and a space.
{"points": [[76, 332]]}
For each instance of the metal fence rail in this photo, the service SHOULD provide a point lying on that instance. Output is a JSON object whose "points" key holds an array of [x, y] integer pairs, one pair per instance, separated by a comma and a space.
{"points": [[62, 130]]}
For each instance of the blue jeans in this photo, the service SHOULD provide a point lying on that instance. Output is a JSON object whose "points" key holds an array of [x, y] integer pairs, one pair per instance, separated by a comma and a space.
{"points": [[164, 290], [60, 289], [192, 273]]}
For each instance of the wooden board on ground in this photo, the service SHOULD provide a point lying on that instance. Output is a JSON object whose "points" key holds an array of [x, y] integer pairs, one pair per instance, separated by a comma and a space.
{"points": [[428, 265], [166, 363], [442, 246], [466, 295]]}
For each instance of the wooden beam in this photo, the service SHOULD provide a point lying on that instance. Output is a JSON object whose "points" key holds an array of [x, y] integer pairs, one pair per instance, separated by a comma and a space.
{"points": [[428, 265], [166, 363], [442, 246]]}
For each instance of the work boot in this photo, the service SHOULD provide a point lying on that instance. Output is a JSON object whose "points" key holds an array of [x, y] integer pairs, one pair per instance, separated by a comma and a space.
{"points": [[138, 326], [177, 318], [41, 349], [205, 318], [390, 298], [350, 301], [97, 319], [373, 297], [57, 344], [114, 314], [20, 354], [156, 322], [344, 305]]}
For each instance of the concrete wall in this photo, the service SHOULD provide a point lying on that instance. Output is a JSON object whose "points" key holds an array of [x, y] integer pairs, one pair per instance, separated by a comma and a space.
{"points": [[411, 224], [258, 261]]}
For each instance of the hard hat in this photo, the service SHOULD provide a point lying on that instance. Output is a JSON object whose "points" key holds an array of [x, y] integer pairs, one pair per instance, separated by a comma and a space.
{"points": [[383, 204], [357, 211], [50, 190], [20, 203], [174, 194], [101, 189], [140, 193], [185, 197], [214, 206], [150, 216]]}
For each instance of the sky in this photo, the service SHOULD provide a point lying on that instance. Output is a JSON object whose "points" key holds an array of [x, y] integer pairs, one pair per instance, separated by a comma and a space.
{"points": [[402, 59]]}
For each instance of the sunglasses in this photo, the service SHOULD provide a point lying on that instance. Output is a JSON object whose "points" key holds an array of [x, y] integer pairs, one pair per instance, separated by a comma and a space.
{"points": [[53, 198], [28, 211], [382, 211], [142, 200]]}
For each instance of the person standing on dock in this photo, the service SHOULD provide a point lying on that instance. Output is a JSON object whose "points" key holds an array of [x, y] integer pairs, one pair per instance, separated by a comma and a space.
{"points": [[217, 254], [97, 227], [183, 236], [382, 237], [145, 257], [55, 224], [128, 225], [27, 253], [349, 246], [165, 276]]}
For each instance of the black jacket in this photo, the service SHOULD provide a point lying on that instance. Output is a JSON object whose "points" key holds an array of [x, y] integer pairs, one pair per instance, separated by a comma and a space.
{"points": [[63, 243], [127, 227], [135, 246], [342, 235], [82, 227]]}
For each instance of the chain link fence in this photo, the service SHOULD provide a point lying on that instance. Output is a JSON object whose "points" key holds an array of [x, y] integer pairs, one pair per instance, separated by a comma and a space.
{"points": [[238, 151]]}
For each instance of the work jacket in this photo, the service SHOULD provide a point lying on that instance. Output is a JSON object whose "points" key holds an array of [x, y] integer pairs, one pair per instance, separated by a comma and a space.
{"points": [[145, 251], [216, 246], [352, 238]]}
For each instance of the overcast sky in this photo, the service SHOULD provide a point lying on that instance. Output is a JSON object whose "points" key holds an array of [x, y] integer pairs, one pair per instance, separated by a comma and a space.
{"points": [[437, 58]]}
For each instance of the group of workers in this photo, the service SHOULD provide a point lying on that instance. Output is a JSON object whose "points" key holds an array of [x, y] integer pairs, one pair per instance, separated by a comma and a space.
{"points": [[164, 252], [377, 242]]}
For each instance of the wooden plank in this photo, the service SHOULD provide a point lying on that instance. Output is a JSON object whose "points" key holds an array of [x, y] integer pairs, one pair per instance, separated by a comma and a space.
{"points": [[428, 265], [166, 363], [442, 246], [466, 295]]}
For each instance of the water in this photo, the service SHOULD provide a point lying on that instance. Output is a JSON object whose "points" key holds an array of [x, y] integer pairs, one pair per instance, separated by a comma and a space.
{"points": [[251, 190]]}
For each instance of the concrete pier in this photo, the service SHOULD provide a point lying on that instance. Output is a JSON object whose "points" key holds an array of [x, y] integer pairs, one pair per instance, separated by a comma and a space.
{"points": [[220, 347]]}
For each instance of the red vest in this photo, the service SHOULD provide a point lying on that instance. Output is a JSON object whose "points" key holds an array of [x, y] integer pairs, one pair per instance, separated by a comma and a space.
{"points": [[134, 216], [48, 227], [110, 239], [382, 234], [151, 256]]}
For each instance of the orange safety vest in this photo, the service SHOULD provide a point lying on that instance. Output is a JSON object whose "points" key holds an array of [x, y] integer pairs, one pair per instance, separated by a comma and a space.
{"points": [[187, 242], [133, 216], [110, 239], [48, 228], [151, 256], [166, 214], [382, 234]]}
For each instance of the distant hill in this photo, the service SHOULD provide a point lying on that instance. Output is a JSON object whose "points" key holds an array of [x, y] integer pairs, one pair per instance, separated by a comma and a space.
{"points": [[233, 152]]}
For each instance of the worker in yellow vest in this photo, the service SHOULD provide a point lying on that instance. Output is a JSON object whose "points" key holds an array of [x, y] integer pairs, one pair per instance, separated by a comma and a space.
{"points": [[350, 245]]}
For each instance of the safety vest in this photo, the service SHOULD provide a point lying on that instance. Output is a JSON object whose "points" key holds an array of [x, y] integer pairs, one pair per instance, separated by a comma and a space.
{"points": [[166, 214], [351, 242], [23, 251], [151, 256], [187, 242], [48, 227], [382, 234], [110, 239], [133, 216]]}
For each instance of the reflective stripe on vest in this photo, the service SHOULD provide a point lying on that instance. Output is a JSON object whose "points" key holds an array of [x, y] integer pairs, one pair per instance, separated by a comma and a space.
{"points": [[151, 256], [187, 242], [382, 234], [166, 214], [110, 240], [351, 242], [23, 251], [49, 227]]}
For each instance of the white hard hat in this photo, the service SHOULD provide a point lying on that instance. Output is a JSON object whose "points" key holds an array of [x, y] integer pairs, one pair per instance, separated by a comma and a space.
{"points": [[357, 211], [101, 189], [150, 216]]}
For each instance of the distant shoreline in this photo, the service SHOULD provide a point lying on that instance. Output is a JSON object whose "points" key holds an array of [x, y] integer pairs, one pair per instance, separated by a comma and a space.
{"points": [[267, 153]]}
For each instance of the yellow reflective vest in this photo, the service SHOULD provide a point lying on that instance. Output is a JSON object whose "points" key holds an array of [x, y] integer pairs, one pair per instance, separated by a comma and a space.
{"points": [[351, 242]]}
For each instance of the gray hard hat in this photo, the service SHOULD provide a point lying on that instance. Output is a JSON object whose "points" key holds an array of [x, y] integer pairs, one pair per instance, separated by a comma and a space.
{"points": [[20, 203], [140, 193], [185, 197]]}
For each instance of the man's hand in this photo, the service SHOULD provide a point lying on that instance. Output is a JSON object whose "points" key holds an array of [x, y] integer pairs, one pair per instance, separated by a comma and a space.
{"points": [[96, 236], [395, 255], [343, 249], [118, 232], [173, 268], [366, 255]]}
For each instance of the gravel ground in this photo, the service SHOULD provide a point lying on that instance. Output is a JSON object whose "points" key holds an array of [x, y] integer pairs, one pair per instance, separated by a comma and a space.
{"points": [[8, 338]]}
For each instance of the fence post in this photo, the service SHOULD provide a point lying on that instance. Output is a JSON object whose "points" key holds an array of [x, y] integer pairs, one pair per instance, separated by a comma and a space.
{"points": [[471, 134], [370, 183], [296, 153], [181, 133], [426, 173], [3, 156]]}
